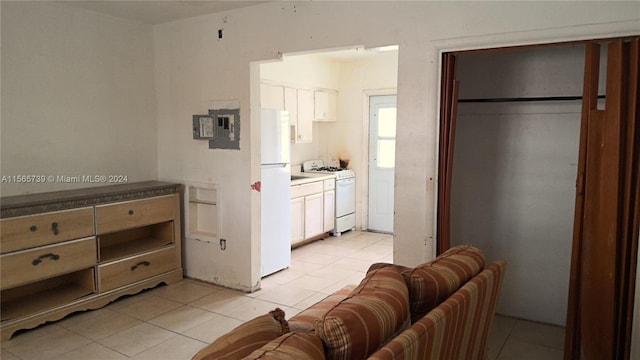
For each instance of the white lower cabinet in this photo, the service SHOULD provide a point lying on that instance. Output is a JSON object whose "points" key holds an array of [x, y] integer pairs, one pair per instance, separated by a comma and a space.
{"points": [[313, 215], [297, 220], [329, 210], [329, 187], [312, 209]]}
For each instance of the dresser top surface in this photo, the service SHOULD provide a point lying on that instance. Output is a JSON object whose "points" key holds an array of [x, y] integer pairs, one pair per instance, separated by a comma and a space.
{"points": [[18, 205]]}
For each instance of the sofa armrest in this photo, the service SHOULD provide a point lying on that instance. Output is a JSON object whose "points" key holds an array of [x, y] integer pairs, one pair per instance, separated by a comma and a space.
{"points": [[458, 328]]}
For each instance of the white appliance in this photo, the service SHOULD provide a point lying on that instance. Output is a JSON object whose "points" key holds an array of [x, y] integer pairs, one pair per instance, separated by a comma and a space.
{"points": [[275, 190], [345, 193]]}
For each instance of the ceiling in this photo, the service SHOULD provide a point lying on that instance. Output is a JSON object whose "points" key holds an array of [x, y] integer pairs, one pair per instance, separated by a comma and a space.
{"points": [[160, 11], [350, 54]]}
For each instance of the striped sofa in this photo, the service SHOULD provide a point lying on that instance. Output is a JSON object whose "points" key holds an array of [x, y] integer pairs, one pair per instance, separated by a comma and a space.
{"points": [[442, 309]]}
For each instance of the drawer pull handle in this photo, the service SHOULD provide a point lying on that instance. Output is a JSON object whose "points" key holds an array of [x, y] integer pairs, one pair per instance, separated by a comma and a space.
{"points": [[37, 261], [130, 212], [33, 228], [141, 263], [54, 228]]}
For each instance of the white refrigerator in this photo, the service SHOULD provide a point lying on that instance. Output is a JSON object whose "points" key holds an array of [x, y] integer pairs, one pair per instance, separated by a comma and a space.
{"points": [[275, 191]]}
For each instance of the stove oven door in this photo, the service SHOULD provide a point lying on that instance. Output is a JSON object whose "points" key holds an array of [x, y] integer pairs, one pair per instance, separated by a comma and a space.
{"points": [[345, 197]]}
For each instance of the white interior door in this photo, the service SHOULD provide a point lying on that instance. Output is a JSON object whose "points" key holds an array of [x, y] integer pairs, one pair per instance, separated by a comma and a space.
{"points": [[382, 159]]}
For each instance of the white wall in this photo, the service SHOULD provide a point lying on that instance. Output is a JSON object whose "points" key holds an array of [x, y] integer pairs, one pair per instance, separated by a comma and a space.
{"points": [[513, 197], [194, 67], [349, 137], [77, 96]]}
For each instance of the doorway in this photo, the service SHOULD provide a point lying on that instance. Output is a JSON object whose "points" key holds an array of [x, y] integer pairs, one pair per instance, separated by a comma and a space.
{"points": [[382, 150], [350, 76]]}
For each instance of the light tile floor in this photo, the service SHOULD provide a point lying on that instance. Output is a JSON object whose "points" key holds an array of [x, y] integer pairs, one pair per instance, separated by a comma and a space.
{"points": [[174, 322]]}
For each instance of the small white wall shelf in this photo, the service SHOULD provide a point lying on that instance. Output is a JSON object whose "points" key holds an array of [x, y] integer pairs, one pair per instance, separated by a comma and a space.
{"points": [[202, 212]]}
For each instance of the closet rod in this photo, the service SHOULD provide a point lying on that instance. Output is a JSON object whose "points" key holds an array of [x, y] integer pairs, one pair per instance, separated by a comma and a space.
{"points": [[524, 99]]}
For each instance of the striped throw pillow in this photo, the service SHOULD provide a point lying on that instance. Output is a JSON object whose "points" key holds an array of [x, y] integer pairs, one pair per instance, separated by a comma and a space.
{"points": [[291, 346], [375, 312], [246, 338]]}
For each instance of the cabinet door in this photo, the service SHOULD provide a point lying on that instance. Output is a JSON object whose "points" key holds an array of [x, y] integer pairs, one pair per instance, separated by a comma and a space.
{"points": [[313, 215], [291, 104], [304, 126], [297, 220], [324, 106], [329, 210], [271, 97]]}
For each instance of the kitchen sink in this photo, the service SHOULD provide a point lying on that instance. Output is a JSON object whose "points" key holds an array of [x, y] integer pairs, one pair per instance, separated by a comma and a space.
{"points": [[297, 177]]}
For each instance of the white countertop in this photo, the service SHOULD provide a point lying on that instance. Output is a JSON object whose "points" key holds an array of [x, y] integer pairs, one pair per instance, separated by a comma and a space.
{"points": [[309, 177]]}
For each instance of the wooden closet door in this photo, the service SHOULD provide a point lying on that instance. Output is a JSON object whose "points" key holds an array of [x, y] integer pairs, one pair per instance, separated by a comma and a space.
{"points": [[607, 204], [448, 114]]}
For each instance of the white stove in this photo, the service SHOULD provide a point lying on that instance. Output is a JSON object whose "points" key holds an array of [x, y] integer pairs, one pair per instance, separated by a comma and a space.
{"points": [[345, 193], [317, 166]]}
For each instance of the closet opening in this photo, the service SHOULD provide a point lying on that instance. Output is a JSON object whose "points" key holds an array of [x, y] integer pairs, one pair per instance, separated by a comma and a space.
{"points": [[514, 168], [516, 127]]}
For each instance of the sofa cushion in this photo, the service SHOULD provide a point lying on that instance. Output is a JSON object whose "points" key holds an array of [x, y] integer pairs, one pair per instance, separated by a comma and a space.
{"points": [[431, 283], [246, 338], [374, 312], [291, 346]]}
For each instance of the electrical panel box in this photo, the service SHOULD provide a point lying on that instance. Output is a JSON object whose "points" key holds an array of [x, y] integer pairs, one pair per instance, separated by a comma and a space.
{"points": [[220, 126], [226, 123]]}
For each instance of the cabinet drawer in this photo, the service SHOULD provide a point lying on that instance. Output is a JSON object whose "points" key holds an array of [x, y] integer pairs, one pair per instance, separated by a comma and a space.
{"points": [[329, 184], [44, 262], [306, 189], [130, 214], [36, 230], [127, 271]]}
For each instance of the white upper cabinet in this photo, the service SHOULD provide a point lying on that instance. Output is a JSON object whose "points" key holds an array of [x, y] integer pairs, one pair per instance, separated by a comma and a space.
{"points": [[324, 105], [291, 104], [304, 127], [304, 106]]}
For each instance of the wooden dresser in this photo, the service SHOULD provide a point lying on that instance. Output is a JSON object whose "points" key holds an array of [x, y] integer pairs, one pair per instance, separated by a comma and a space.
{"points": [[68, 251]]}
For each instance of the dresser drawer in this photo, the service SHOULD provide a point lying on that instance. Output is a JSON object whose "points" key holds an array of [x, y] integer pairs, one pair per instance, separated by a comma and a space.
{"points": [[36, 230], [127, 271], [130, 214], [22, 267]]}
